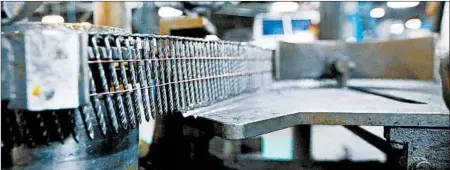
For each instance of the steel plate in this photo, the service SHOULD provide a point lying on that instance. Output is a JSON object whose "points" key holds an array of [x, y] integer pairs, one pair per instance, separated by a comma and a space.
{"points": [[311, 102]]}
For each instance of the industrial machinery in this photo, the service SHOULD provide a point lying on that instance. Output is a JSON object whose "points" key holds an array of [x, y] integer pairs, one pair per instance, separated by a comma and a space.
{"points": [[73, 97], [122, 75]]}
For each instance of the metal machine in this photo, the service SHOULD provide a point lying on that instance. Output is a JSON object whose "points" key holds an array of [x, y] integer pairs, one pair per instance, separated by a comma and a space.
{"points": [[198, 89], [128, 75]]}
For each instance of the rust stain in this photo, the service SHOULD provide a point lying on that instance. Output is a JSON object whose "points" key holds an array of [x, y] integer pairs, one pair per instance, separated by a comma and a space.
{"points": [[324, 119]]}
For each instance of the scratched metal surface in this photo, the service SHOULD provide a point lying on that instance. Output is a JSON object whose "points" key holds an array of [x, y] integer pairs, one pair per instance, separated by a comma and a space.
{"points": [[287, 104]]}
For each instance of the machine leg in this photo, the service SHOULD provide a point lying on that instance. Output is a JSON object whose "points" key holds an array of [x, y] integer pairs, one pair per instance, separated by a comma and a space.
{"points": [[302, 143], [181, 147], [424, 148]]}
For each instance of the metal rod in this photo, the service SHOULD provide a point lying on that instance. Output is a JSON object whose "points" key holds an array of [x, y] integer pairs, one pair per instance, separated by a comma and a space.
{"points": [[372, 139]]}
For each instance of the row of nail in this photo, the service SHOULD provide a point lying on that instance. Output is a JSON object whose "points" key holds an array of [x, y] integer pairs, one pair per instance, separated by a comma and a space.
{"points": [[36, 128], [155, 75], [133, 75]]}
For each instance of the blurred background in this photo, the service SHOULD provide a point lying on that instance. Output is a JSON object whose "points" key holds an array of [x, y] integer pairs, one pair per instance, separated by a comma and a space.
{"points": [[250, 21], [266, 24]]}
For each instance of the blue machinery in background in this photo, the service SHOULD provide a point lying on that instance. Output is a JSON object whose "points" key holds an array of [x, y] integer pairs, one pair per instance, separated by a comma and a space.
{"points": [[363, 24]]}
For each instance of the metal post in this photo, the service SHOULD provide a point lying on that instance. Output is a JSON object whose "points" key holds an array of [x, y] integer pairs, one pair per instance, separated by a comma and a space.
{"points": [[331, 20], [71, 12], [302, 143]]}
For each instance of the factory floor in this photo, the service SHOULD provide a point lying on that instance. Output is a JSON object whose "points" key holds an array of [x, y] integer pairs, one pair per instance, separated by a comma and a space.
{"points": [[328, 143], [333, 147]]}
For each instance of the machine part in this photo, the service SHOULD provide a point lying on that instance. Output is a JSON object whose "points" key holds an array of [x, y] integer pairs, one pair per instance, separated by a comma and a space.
{"points": [[177, 72], [338, 67], [421, 164], [190, 144], [393, 150], [46, 150], [302, 144], [63, 138], [311, 60], [444, 71], [286, 105], [19, 28], [374, 140], [7, 68], [427, 148], [47, 88]]}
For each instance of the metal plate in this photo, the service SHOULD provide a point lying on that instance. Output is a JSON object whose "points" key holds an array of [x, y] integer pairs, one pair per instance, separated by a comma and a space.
{"points": [[377, 59], [289, 103]]}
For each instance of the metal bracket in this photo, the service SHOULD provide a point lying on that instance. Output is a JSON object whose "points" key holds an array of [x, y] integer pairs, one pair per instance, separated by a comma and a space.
{"points": [[46, 69]]}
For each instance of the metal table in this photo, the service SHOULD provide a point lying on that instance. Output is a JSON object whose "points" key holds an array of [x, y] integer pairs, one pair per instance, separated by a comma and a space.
{"points": [[291, 103], [413, 113]]}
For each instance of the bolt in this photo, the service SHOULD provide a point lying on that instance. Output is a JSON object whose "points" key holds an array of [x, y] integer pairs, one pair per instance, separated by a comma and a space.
{"points": [[421, 164], [49, 94]]}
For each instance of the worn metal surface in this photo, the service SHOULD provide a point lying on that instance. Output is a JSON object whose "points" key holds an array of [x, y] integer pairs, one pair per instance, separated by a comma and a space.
{"points": [[114, 153], [46, 68], [292, 103], [424, 146]]}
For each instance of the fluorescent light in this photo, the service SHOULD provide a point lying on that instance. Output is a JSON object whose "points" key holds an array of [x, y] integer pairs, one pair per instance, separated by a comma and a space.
{"points": [[52, 19], [377, 13], [397, 5], [414, 23], [397, 28], [167, 12], [284, 7]]}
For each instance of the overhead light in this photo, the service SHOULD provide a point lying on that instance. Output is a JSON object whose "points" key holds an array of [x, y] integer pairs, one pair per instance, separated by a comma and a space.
{"points": [[52, 19], [398, 5], [413, 23], [351, 39], [397, 28], [167, 12], [212, 37], [315, 16], [377, 13], [85, 23], [284, 7]]}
